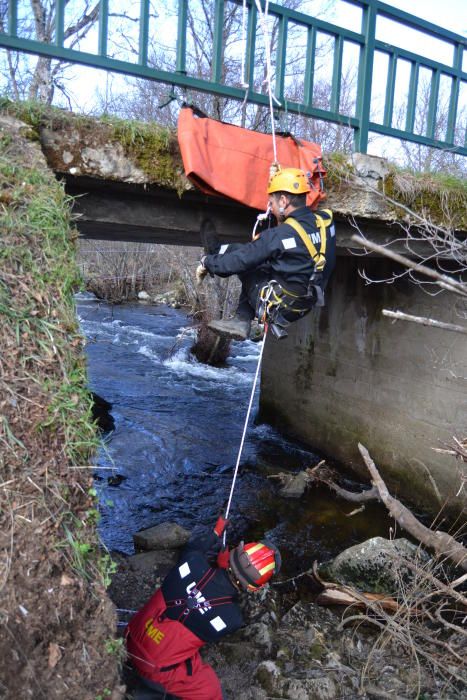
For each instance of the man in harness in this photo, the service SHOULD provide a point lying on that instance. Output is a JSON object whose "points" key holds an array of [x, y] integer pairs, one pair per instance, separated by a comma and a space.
{"points": [[196, 604], [284, 271]]}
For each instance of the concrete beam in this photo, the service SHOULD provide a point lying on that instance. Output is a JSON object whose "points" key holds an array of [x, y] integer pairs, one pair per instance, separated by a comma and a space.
{"points": [[119, 211]]}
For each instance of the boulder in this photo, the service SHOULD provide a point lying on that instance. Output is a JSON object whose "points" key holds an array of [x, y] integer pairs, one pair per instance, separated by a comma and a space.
{"points": [[159, 561], [143, 296], [163, 536], [377, 565]]}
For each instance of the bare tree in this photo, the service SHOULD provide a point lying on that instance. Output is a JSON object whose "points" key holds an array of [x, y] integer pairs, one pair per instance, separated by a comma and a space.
{"points": [[38, 78], [425, 159]]}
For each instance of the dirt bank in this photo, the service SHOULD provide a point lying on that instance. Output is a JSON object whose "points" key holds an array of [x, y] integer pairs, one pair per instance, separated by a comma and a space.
{"points": [[57, 622]]}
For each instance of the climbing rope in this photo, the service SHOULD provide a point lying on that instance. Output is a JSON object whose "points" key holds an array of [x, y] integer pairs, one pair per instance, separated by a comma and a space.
{"points": [[234, 479], [264, 17]]}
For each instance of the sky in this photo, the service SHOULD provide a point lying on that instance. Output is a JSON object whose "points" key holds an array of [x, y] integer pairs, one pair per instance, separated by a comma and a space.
{"points": [[453, 16]]}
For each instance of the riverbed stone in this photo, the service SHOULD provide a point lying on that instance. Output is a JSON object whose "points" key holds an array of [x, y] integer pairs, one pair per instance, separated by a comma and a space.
{"points": [[157, 560], [261, 634], [162, 536], [143, 296], [376, 565], [294, 486], [267, 674]]}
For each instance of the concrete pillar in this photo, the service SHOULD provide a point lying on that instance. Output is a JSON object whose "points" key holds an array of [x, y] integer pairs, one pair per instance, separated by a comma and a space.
{"points": [[347, 374]]}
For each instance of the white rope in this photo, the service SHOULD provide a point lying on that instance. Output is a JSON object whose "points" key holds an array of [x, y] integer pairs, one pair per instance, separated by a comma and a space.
{"points": [[227, 510], [264, 26]]}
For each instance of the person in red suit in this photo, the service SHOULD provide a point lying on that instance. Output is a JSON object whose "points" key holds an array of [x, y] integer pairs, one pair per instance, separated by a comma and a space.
{"points": [[196, 604]]}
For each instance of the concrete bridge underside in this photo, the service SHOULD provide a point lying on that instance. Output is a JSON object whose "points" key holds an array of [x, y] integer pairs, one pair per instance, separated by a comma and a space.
{"points": [[119, 211]]}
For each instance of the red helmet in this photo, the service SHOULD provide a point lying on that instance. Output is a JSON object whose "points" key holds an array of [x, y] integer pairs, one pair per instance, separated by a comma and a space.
{"points": [[253, 564]]}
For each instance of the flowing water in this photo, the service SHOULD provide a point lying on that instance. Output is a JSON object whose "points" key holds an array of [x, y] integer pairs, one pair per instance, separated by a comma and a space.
{"points": [[178, 426]]}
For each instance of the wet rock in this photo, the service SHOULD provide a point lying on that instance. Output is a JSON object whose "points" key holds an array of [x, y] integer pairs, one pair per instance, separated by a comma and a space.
{"points": [[294, 486], [322, 688], [143, 296], [267, 674], [160, 561], [377, 565], [163, 536], [101, 413], [116, 479], [261, 634]]}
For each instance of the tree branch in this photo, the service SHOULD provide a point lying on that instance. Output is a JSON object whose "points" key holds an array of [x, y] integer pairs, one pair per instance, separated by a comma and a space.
{"points": [[443, 281], [441, 542], [424, 321]]}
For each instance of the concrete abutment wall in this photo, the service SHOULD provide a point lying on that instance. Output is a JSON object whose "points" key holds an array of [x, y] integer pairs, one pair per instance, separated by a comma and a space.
{"points": [[347, 374]]}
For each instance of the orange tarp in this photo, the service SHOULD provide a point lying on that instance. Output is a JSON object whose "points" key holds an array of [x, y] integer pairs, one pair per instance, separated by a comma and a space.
{"points": [[223, 159]]}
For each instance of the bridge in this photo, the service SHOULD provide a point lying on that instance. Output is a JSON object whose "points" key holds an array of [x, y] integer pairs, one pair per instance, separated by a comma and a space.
{"points": [[345, 373], [234, 62]]}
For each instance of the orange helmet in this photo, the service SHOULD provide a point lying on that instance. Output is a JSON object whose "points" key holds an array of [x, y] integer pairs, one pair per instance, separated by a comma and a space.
{"points": [[292, 180], [253, 564]]}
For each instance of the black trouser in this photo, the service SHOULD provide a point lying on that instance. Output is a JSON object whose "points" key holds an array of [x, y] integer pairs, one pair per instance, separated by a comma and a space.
{"points": [[252, 283]]}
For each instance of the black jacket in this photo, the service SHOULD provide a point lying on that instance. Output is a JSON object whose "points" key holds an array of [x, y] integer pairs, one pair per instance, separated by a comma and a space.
{"points": [[279, 251], [210, 611]]}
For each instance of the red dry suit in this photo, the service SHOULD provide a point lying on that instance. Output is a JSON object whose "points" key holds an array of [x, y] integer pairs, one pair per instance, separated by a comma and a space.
{"points": [[195, 605]]}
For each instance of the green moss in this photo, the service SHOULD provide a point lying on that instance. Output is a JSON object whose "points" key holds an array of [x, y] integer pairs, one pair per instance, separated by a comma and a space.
{"points": [[152, 147], [338, 170], [439, 197]]}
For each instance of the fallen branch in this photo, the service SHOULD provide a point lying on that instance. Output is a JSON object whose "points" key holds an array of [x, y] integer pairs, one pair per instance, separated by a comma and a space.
{"points": [[323, 477], [442, 543], [400, 315]]}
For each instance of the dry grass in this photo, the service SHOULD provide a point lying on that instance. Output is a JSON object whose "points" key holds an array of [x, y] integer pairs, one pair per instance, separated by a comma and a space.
{"points": [[428, 629]]}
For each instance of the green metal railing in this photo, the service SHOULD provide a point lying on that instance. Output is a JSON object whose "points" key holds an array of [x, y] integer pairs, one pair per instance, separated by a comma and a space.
{"points": [[365, 41]]}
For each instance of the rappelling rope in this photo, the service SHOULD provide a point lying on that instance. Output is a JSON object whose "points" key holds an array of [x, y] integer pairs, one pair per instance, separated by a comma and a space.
{"points": [[227, 510], [263, 16]]}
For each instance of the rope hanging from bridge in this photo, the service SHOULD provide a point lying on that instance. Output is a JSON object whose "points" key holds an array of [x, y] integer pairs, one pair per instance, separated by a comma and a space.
{"points": [[245, 426], [264, 19]]}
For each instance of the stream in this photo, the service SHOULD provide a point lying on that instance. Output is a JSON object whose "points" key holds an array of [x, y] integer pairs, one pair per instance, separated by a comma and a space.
{"points": [[178, 426]]}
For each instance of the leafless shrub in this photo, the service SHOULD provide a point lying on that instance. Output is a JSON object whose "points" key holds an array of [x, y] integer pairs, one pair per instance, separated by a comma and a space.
{"points": [[118, 271], [427, 628]]}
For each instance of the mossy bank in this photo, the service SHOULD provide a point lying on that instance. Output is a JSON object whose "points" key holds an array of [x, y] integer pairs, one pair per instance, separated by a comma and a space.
{"points": [[57, 622]]}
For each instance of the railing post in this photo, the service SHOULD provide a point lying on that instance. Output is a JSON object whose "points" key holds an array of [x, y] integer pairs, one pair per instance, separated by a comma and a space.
{"points": [[12, 17], [218, 49], [103, 26], [181, 36], [310, 66], [143, 32], [454, 97], [336, 74], [280, 59], [250, 48], [365, 78], [59, 22]]}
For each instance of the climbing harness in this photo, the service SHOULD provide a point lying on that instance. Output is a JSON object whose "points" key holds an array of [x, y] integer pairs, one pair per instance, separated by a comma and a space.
{"points": [[195, 601], [245, 426], [274, 299]]}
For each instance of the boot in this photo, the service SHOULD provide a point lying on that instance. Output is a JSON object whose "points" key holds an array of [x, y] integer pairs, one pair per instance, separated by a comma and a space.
{"points": [[236, 328], [208, 236]]}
